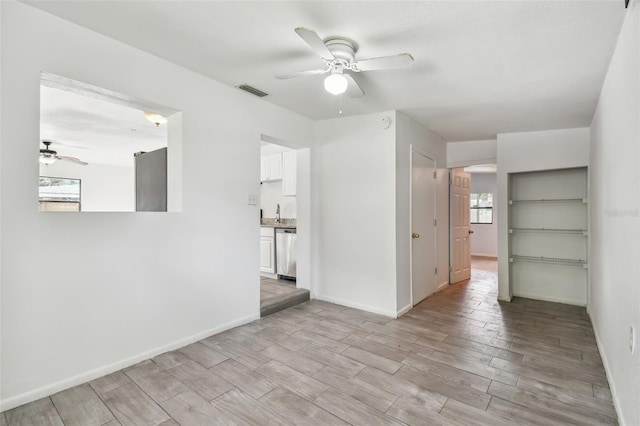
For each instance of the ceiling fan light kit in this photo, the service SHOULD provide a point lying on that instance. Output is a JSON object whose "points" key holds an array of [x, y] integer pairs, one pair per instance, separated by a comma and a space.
{"points": [[155, 118], [47, 159], [339, 55], [336, 84]]}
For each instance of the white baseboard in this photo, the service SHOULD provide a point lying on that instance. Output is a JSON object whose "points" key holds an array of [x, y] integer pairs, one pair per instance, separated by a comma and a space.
{"points": [[551, 299], [354, 305], [605, 363], [24, 398], [485, 255], [404, 310], [442, 286]]}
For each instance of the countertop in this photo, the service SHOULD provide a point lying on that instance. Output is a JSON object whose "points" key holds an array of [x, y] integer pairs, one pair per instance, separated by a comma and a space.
{"points": [[271, 223]]}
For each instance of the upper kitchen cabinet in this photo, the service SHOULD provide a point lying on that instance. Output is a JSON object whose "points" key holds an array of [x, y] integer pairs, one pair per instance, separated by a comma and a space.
{"points": [[289, 173], [271, 168]]}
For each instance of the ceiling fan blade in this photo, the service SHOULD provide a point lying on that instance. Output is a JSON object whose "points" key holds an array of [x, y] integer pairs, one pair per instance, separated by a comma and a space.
{"points": [[402, 60], [71, 160], [353, 89], [302, 74], [315, 42]]}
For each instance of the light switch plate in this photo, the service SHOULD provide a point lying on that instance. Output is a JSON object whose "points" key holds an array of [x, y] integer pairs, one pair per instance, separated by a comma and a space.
{"points": [[252, 199]]}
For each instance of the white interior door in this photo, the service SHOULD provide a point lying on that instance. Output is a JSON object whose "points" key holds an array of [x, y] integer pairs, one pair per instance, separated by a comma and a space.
{"points": [[459, 195], [423, 241]]}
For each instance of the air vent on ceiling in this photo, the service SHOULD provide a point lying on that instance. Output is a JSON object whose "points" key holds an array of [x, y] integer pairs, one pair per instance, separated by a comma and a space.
{"points": [[259, 93]]}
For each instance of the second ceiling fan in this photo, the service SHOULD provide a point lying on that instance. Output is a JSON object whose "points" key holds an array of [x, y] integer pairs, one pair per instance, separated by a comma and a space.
{"points": [[339, 55], [49, 156]]}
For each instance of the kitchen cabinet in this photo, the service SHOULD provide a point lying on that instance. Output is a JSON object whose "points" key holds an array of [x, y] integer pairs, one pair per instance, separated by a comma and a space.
{"points": [[271, 168], [267, 250], [289, 173]]}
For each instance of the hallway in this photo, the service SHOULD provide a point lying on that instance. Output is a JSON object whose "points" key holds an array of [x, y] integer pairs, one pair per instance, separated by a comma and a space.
{"points": [[541, 357], [458, 358]]}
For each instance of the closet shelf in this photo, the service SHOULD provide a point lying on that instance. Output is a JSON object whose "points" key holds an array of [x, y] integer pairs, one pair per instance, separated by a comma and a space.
{"points": [[548, 260], [550, 231], [551, 200]]}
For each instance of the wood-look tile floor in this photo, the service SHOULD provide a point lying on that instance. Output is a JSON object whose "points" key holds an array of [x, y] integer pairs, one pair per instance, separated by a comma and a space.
{"points": [[276, 295], [458, 358]]}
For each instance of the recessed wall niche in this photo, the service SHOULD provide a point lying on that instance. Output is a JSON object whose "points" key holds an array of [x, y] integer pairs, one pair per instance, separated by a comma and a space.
{"points": [[115, 148], [548, 233]]}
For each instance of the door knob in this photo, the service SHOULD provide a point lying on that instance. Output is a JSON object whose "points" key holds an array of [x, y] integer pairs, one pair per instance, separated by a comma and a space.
{"points": [[470, 232], [414, 235]]}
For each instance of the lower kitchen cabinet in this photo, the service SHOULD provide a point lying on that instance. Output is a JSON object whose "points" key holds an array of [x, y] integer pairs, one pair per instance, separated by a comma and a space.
{"points": [[267, 251]]}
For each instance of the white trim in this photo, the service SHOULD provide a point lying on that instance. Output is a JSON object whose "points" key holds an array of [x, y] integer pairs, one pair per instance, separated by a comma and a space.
{"points": [[469, 163], [373, 310], [24, 398], [605, 363], [551, 299], [489, 255], [442, 286], [404, 310]]}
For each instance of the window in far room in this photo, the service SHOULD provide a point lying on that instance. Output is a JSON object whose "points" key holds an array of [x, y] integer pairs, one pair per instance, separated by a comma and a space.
{"points": [[59, 194], [482, 208]]}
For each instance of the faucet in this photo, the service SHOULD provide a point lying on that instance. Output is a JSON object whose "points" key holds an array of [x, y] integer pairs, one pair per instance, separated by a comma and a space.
{"points": [[278, 213]]}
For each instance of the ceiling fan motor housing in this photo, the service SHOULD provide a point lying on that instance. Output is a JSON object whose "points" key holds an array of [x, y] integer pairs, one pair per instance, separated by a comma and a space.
{"points": [[46, 152], [343, 49]]}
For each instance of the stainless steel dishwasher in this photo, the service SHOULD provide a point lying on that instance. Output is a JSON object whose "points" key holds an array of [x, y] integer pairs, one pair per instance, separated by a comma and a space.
{"points": [[286, 253]]}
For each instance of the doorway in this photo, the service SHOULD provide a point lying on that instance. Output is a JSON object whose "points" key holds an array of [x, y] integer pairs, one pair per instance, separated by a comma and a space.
{"points": [[283, 201], [423, 227], [473, 219]]}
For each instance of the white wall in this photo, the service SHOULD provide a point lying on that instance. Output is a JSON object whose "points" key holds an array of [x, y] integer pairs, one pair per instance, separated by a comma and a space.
{"points": [[411, 135], [303, 219], [103, 188], [142, 283], [267, 148], [470, 153], [484, 240], [615, 220], [353, 205], [531, 151]]}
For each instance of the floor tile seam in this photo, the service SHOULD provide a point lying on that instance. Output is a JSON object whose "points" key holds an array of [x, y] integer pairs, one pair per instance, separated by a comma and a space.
{"points": [[546, 372], [555, 400], [144, 392], [58, 411]]}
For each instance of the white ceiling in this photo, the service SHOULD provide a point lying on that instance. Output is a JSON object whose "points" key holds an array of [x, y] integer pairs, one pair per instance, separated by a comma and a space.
{"points": [[94, 130], [481, 67]]}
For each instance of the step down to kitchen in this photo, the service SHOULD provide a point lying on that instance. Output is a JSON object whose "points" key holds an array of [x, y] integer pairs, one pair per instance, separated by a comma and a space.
{"points": [[273, 304]]}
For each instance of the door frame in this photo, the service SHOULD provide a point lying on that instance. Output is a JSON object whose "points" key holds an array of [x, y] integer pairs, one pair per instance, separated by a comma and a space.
{"points": [[413, 149]]}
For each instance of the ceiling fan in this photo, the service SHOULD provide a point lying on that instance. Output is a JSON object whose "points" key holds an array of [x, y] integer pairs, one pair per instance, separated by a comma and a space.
{"points": [[49, 156], [339, 55]]}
